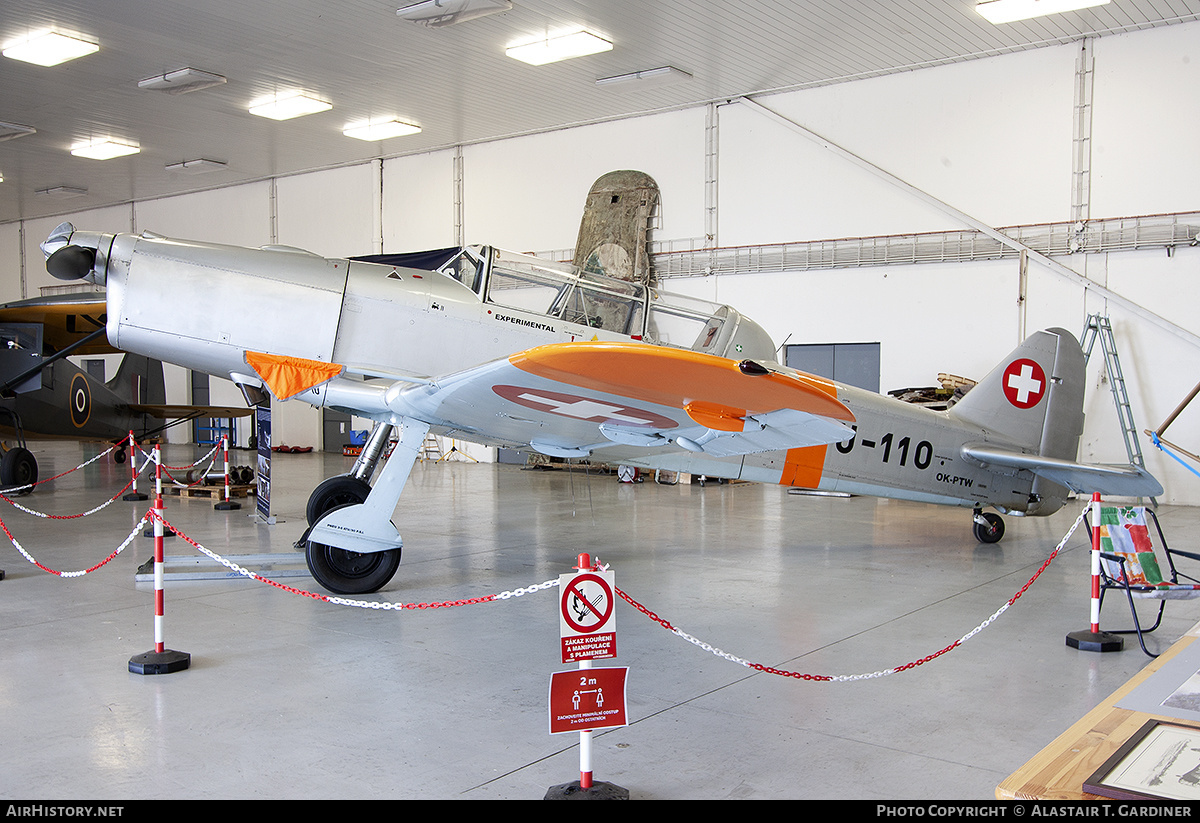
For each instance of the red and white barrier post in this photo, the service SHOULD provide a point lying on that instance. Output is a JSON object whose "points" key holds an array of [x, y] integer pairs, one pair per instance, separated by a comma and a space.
{"points": [[1094, 640], [134, 494], [588, 699], [227, 504], [161, 660]]}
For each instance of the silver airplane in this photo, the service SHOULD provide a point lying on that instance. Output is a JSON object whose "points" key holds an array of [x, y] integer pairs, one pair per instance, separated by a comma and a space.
{"points": [[510, 350]]}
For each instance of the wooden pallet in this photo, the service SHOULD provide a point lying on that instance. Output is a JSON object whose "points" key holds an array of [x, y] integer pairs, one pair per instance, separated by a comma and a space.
{"points": [[210, 492]]}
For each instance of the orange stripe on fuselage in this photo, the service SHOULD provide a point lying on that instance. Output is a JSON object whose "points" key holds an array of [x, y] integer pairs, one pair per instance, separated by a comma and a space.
{"points": [[803, 467]]}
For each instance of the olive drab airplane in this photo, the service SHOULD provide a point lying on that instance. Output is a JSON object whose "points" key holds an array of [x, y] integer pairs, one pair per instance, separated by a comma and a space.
{"points": [[511, 350], [43, 394]]}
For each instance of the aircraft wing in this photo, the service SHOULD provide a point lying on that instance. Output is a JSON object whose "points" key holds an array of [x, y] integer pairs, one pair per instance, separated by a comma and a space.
{"points": [[65, 319], [167, 411], [570, 399], [1083, 478]]}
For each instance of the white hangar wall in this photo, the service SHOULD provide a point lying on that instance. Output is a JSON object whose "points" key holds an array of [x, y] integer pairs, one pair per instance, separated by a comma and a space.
{"points": [[992, 139]]}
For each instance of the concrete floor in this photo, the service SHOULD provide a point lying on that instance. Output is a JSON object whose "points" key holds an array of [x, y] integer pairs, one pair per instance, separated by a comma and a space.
{"points": [[293, 697]]}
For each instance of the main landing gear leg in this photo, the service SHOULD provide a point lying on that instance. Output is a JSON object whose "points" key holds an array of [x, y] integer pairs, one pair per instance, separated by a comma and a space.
{"points": [[354, 487], [355, 548]]}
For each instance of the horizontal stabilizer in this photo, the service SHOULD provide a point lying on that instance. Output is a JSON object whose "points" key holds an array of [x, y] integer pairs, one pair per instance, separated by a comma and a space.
{"points": [[1083, 478]]}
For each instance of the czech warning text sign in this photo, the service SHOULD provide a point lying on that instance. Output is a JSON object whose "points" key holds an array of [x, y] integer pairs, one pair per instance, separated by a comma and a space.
{"points": [[587, 616], [587, 699]]}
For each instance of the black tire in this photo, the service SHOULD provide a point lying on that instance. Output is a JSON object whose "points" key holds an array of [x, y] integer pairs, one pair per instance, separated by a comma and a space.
{"points": [[119, 457], [993, 531], [346, 572], [342, 490], [18, 468]]}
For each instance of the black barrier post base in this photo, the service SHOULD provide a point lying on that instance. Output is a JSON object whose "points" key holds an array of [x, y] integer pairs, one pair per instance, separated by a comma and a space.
{"points": [[227, 506], [597, 791], [1089, 641], [164, 662], [135, 496]]}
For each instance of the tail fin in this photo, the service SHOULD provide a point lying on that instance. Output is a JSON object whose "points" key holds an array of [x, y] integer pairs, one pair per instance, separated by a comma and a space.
{"points": [[1032, 402], [1034, 398], [613, 232], [139, 380]]}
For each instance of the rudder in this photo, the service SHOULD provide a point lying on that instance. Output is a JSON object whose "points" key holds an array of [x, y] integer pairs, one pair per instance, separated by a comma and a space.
{"points": [[139, 380]]}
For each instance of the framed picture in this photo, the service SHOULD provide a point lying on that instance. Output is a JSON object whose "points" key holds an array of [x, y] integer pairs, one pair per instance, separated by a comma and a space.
{"points": [[1160, 761]]}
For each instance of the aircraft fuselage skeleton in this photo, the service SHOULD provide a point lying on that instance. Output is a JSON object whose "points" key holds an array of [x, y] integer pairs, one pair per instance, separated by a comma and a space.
{"points": [[515, 351]]}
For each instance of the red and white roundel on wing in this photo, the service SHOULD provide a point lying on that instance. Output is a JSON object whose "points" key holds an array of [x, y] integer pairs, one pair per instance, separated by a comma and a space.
{"points": [[1024, 383], [583, 408]]}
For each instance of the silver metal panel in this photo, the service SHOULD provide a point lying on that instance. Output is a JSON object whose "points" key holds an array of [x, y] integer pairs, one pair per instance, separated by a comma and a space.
{"points": [[199, 332]]}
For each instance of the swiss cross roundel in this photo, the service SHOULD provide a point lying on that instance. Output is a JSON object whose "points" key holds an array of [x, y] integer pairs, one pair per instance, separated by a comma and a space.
{"points": [[1024, 383]]}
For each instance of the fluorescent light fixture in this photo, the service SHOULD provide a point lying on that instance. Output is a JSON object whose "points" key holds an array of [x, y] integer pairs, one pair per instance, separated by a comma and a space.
{"points": [[285, 105], [181, 81], [104, 148], [646, 78], [1006, 11], [198, 166], [49, 48], [11, 131], [551, 49], [61, 192], [438, 13], [380, 129]]}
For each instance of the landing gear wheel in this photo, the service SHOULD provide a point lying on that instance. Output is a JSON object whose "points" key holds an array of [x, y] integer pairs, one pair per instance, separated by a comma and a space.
{"points": [[18, 468], [993, 531], [342, 490], [345, 572]]}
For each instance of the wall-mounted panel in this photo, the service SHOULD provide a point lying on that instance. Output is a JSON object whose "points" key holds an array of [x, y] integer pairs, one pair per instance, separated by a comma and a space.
{"points": [[332, 213], [1145, 122]]}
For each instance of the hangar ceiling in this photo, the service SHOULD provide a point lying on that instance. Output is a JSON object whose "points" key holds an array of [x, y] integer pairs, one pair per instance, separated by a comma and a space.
{"points": [[454, 82]]}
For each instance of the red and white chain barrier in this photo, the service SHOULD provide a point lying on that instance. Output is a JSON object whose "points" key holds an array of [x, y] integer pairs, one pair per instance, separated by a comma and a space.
{"points": [[884, 673], [161, 522]]}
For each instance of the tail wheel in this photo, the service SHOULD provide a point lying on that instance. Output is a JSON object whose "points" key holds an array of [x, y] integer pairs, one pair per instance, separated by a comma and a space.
{"points": [[992, 530]]}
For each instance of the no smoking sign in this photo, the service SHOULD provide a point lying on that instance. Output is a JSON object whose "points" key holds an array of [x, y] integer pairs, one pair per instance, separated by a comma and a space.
{"points": [[587, 616]]}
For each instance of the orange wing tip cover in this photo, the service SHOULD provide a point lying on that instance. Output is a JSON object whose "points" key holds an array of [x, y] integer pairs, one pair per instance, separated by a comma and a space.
{"points": [[680, 378], [288, 376]]}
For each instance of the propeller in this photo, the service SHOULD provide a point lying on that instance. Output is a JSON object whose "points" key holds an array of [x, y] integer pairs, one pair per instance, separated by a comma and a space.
{"points": [[71, 262]]}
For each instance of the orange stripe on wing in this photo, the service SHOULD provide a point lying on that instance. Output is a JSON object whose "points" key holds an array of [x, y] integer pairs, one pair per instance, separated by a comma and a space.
{"points": [[714, 387]]}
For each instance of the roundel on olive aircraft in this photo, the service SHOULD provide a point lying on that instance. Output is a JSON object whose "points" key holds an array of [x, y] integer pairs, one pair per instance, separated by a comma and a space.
{"points": [[81, 401]]}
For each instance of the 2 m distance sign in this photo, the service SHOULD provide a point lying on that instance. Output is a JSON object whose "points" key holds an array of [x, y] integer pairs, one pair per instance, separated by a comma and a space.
{"points": [[586, 616]]}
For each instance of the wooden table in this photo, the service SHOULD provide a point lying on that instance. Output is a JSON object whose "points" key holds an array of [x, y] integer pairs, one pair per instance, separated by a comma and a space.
{"points": [[1058, 771]]}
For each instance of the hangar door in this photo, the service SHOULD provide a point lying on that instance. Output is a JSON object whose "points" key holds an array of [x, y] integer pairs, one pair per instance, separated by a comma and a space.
{"points": [[856, 364]]}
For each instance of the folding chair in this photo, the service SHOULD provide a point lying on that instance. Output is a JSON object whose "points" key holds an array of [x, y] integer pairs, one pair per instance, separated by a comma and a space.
{"points": [[1128, 562]]}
